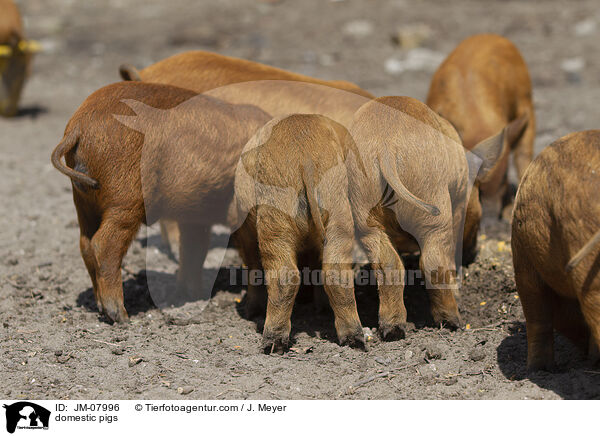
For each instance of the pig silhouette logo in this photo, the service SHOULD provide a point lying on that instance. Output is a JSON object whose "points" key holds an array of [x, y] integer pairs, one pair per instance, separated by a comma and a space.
{"points": [[26, 415]]}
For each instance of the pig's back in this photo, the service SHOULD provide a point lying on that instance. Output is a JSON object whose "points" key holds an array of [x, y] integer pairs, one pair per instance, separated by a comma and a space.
{"points": [[202, 71], [480, 86], [557, 212]]}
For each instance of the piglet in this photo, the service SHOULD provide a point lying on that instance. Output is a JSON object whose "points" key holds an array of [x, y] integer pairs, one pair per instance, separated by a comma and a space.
{"points": [[139, 152]]}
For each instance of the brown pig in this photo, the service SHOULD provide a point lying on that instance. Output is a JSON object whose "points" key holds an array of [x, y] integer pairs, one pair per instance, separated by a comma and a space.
{"points": [[11, 24], [409, 150], [291, 197], [556, 246], [203, 71], [14, 61], [482, 86], [138, 152], [276, 91]]}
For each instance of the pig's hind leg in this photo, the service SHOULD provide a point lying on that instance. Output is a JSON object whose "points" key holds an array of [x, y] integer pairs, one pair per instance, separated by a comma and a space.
{"points": [[245, 239], [89, 221], [439, 267], [339, 278], [590, 306], [278, 245], [109, 245], [536, 298], [390, 274]]}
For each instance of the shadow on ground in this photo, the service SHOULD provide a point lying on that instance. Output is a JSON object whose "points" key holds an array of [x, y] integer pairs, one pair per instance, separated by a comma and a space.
{"points": [[575, 378]]}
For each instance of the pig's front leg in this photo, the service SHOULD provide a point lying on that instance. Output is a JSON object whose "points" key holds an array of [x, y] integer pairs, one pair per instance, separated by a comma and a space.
{"points": [[439, 267], [194, 241]]}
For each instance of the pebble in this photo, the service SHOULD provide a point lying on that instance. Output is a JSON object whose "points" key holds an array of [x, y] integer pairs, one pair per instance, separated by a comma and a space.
{"points": [[408, 355], [477, 354], [451, 381], [358, 28], [412, 36], [573, 65], [417, 59], [117, 351], [382, 361], [433, 351], [184, 390], [585, 27], [63, 359], [134, 361]]}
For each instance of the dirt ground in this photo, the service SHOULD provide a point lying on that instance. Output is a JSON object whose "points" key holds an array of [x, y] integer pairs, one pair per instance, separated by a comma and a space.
{"points": [[53, 344]]}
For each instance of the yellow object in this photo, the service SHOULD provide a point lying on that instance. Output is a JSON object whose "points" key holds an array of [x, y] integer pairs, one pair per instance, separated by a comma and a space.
{"points": [[468, 327], [483, 303], [501, 245], [30, 46]]}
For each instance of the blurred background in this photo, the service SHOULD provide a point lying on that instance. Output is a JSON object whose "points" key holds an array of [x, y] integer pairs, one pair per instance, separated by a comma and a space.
{"points": [[389, 47]]}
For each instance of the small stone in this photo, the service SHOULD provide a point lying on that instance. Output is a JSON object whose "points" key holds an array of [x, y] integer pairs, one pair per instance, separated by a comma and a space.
{"points": [[585, 27], [417, 59], [477, 354], [451, 381], [432, 352], [134, 361], [408, 355], [63, 359], [184, 390], [368, 334], [573, 65], [358, 28], [412, 36], [117, 351], [382, 361], [58, 353]]}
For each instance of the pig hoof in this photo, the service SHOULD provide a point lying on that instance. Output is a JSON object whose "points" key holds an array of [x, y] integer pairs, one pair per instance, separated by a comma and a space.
{"points": [[355, 341], [449, 321], [115, 313], [541, 365], [274, 345], [392, 332]]}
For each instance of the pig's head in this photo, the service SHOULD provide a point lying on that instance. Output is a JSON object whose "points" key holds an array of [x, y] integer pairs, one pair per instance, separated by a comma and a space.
{"points": [[488, 162], [493, 187]]}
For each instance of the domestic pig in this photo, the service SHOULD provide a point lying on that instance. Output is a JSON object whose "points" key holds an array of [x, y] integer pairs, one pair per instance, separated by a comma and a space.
{"points": [[11, 24], [555, 246], [482, 86], [276, 91], [14, 59], [138, 152], [409, 149], [291, 197]]}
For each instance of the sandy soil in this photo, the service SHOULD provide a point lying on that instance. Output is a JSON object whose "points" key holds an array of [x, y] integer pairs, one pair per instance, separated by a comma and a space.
{"points": [[53, 344]]}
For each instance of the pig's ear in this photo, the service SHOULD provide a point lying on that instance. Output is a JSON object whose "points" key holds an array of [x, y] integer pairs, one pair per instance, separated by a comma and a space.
{"points": [[492, 149], [129, 73], [515, 129], [144, 118], [487, 153]]}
